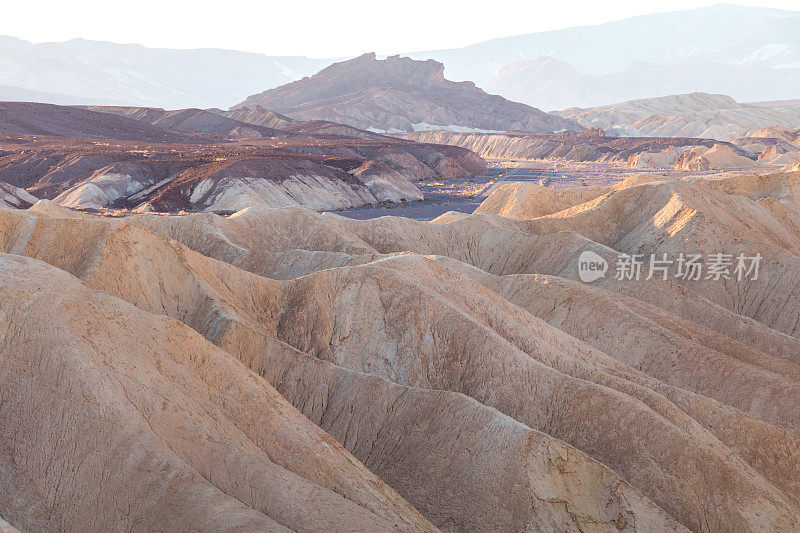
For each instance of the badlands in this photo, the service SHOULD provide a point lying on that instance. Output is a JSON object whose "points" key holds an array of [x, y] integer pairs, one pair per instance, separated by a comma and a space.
{"points": [[763, 148], [156, 160], [281, 369], [189, 344], [207, 325]]}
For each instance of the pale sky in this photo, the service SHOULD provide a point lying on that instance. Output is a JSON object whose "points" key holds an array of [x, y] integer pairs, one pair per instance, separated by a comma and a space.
{"points": [[317, 28]]}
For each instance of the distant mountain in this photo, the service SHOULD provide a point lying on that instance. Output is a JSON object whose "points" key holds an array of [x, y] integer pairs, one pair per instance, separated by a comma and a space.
{"points": [[746, 52], [776, 103], [399, 94], [711, 116], [84, 72], [9, 93], [551, 84], [724, 34]]}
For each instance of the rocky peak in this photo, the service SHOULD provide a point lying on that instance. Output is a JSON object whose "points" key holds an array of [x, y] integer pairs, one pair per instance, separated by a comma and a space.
{"points": [[397, 93]]}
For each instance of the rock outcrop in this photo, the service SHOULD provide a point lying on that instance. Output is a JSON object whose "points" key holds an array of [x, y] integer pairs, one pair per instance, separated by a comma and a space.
{"points": [[14, 197], [234, 185], [399, 94]]}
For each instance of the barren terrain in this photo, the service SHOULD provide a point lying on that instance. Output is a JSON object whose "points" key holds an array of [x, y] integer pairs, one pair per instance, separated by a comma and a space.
{"points": [[399, 94], [156, 160], [344, 377], [374, 299]]}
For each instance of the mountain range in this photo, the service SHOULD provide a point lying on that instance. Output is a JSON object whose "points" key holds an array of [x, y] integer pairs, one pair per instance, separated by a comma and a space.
{"points": [[724, 34], [85, 72], [746, 52], [551, 84]]}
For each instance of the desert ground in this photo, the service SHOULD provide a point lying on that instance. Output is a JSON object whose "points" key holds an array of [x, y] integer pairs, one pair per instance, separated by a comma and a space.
{"points": [[196, 336], [465, 194], [242, 369], [544, 283]]}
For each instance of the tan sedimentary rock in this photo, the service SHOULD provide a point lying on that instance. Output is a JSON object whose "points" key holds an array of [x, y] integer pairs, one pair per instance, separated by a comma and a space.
{"points": [[106, 407], [718, 157], [461, 362], [588, 145], [232, 308]]}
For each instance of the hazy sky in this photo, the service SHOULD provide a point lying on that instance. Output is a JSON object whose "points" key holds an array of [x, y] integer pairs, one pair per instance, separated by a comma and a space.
{"points": [[317, 28]]}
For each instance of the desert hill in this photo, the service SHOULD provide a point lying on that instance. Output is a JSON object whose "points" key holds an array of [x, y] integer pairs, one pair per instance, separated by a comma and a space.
{"points": [[223, 124], [25, 118], [14, 197], [155, 159], [265, 117], [257, 115], [192, 121], [775, 145], [158, 399], [777, 132], [711, 116], [460, 357], [682, 153], [399, 94], [214, 178]]}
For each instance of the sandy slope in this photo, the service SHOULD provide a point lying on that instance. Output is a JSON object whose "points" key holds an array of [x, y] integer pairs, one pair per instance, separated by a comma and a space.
{"points": [[461, 362], [177, 450]]}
